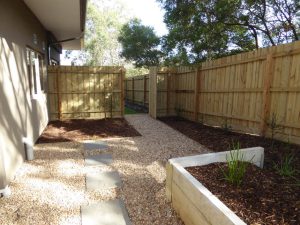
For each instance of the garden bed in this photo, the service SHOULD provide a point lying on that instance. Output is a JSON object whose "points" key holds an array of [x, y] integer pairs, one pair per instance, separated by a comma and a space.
{"points": [[266, 197], [78, 130], [195, 204], [217, 139], [262, 198]]}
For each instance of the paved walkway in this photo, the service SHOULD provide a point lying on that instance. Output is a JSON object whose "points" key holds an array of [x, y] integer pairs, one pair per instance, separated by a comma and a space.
{"points": [[111, 212]]}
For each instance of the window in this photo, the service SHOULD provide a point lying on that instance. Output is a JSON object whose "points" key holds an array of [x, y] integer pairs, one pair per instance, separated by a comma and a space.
{"points": [[35, 65], [53, 62]]}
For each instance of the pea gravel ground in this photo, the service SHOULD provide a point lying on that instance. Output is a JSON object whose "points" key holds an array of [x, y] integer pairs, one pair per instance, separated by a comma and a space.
{"points": [[51, 189]]}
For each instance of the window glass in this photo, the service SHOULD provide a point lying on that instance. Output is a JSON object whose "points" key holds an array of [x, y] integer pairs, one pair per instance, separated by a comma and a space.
{"points": [[41, 70], [35, 64], [33, 58]]}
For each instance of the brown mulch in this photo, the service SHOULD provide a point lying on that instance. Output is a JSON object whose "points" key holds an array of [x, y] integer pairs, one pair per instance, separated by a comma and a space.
{"points": [[81, 129], [266, 197], [262, 198], [217, 139]]}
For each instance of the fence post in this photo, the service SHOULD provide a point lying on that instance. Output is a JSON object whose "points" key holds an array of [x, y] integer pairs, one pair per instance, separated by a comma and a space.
{"points": [[268, 78], [133, 90], [168, 92], [58, 92], [153, 92], [197, 89], [145, 88], [122, 80]]}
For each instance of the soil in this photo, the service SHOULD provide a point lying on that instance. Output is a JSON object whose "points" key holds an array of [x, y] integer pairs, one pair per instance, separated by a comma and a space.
{"points": [[81, 129], [265, 197], [262, 198], [217, 139]]}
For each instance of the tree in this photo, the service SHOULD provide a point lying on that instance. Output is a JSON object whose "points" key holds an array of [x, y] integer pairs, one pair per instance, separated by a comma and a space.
{"points": [[272, 19], [214, 28], [298, 18], [140, 44], [103, 25], [195, 34]]}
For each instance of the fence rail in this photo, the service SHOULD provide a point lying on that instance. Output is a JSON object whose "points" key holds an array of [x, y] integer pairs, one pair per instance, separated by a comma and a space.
{"points": [[242, 92], [76, 92]]}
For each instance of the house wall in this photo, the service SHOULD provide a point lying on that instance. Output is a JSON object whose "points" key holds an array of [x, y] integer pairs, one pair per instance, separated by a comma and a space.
{"points": [[20, 115]]}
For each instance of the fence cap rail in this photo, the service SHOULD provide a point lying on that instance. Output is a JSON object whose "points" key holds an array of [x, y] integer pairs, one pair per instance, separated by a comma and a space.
{"points": [[88, 69]]}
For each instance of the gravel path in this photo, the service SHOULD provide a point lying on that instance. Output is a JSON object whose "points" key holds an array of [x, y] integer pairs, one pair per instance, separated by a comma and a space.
{"points": [[141, 164], [50, 190]]}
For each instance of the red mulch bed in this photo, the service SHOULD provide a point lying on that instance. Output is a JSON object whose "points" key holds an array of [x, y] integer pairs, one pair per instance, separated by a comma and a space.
{"points": [[78, 130], [263, 187], [262, 198]]}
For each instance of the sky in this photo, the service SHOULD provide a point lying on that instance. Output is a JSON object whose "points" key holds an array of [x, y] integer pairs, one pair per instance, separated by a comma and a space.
{"points": [[148, 11]]}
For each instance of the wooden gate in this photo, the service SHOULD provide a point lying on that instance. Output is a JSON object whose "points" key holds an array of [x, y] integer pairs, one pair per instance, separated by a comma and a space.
{"points": [[81, 92]]}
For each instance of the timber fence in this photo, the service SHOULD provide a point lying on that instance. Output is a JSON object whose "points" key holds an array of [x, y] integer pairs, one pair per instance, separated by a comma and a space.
{"points": [[137, 90], [242, 92], [81, 92]]}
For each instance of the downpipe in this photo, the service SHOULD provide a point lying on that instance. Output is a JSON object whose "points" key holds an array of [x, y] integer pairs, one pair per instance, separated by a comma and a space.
{"points": [[28, 148], [5, 192]]}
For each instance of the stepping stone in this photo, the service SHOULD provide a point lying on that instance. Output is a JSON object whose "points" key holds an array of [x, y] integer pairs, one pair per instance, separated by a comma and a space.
{"points": [[98, 160], [102, 180], [111, 212], [95, 145]]}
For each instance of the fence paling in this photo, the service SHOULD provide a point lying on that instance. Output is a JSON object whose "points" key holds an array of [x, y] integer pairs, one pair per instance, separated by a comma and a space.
{"points": [[137, 90], [240, 91], [85, 92], [266, 93]]}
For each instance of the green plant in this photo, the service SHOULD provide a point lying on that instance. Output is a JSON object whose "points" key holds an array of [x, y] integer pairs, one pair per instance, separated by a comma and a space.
{"points": [[130, 111], [225, 125], [236, 166], [285, 167], [274, 126], [178, 111]]}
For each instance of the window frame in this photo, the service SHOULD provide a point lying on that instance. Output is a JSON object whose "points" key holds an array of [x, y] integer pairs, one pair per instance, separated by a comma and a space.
{"points": [[35, 59]]}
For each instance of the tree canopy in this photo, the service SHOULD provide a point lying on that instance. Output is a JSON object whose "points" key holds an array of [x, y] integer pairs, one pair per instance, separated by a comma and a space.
{"points": [[140, 44], [103, 25], [198, 30], [207, 29]]}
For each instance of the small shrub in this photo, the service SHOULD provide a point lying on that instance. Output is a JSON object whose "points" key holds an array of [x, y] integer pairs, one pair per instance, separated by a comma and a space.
{"points": [[178, 111], [286, 167], [274, 126], [236, 166], [225, 125]]}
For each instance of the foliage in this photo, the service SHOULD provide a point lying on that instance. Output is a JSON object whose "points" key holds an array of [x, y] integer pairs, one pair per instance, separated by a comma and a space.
{"points": [[273, 19], [237, 167], [297, 19], [217, 28], [103, 25], [274, 126], [140, 44], [225, 125], [132, 71], [129, 111], [286, 167]]}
